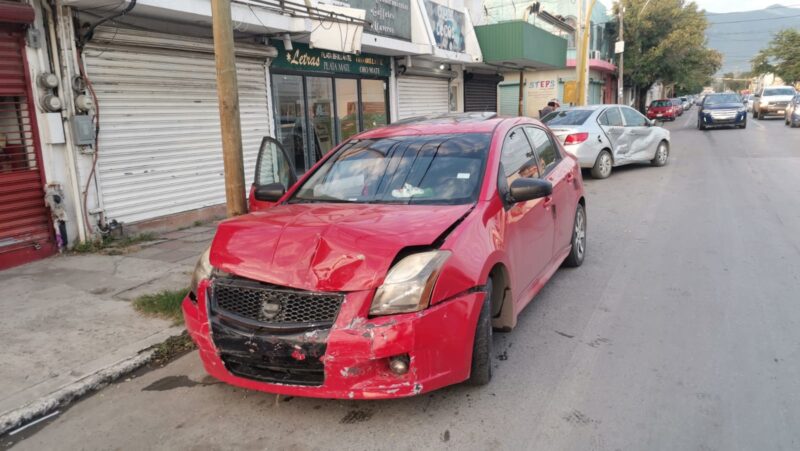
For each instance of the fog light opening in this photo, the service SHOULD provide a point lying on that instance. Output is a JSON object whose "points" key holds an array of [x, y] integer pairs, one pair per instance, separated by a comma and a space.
{"points": [[399, 364]]}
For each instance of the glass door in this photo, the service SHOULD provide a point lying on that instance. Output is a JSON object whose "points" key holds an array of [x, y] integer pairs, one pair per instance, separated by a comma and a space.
{"points": [[347, 107], [320, 105], [291, 118], [373, 103]]}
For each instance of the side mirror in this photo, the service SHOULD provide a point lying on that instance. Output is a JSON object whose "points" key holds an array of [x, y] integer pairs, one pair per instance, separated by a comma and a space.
{"points": [[651, 122], [524, 189], [270, 193]]}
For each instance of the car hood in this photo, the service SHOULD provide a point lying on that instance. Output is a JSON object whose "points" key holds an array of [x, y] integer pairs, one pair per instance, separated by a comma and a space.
{"points": [[724, 106], [776, 98], [326, 247]]}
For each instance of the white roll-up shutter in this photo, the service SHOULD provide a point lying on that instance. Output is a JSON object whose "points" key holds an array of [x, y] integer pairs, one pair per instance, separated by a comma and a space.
{"points": [[160, 148], [421, 96]]}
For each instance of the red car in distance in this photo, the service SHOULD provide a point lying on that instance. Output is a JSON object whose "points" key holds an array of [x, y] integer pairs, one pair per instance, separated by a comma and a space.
{"points": [[663, 109], [382, 272]]}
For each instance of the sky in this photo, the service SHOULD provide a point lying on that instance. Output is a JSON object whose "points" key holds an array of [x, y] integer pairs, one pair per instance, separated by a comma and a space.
{"points": [[726, 6]]}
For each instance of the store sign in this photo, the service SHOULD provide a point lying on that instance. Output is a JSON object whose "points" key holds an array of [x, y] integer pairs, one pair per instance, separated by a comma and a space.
{"points": [[386, 17], [448, 26], [303, 58], [539, 92]]}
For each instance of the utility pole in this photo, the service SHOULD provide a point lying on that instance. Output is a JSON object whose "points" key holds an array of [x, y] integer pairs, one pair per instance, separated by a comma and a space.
{"points": [[620, 79], [579, 56], [228, 95], [521, 92], [582, 51]]}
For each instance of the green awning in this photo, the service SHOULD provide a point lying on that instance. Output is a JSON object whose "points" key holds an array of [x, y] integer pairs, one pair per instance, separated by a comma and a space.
{"points": [[519, 44]]}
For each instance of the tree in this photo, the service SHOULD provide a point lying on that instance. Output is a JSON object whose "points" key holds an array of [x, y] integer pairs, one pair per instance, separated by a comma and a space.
{"points": [[781, 57], [665, 40]]}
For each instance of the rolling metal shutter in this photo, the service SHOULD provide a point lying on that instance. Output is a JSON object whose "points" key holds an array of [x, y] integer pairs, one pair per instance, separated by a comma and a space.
{"points": [[509, 100], [480, 92], [421, 96], [25, 228], [160, 148]]}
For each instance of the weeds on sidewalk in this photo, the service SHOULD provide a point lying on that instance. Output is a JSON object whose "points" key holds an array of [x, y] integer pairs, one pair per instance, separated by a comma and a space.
{"points": [[171, 349], [112, 246], [166, 304]]}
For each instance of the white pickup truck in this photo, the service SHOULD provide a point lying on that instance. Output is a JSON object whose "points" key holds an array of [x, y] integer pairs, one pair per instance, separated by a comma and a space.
{"points": [[772, 100]]}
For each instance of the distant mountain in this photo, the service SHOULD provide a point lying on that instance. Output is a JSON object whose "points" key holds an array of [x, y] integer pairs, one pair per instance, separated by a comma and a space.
{"points": [[740, 35]]}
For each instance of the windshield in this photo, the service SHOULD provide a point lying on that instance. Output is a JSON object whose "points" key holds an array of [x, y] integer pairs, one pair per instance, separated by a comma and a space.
{"points": [[676, 101], [779, 92], [661, 103], [430, 169], [567, 117], [722, 98]]}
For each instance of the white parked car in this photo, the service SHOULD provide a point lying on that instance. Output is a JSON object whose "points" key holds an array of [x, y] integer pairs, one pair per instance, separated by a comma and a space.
{"points": [[606, 136]]}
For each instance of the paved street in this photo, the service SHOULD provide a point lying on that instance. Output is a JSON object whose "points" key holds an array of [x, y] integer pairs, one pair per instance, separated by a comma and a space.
{"points": [[680, 332]]}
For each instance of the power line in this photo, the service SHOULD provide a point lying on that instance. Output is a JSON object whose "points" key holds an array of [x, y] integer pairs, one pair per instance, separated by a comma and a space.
{"points": [[754, 20]]}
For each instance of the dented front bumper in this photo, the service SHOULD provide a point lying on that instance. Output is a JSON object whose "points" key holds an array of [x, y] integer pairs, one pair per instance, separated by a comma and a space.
{"points": [[349, 360]]}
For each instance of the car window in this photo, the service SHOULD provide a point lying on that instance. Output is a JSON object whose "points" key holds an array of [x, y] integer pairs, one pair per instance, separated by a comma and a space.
{"points": [[567, 117], [633, 118], [718, 99], [444, 169], [660, 103], [611, 117], [779, 92], [546, 150], [517, 157]]}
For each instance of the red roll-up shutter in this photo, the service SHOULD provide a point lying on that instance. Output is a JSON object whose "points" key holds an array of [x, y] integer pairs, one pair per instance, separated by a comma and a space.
{"points": [[26, 232]]}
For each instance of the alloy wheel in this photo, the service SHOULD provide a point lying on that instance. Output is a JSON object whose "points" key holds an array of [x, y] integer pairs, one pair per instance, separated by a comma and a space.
{"points": [[580, 233], [605, 164], [662, 153]]}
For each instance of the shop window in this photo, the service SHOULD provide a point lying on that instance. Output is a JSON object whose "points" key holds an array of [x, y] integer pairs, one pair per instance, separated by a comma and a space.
{"points": [[373, 103], [291, 122], [347, 107]]}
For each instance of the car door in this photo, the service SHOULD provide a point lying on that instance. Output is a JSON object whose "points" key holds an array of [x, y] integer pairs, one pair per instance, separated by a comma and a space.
{"points": [[272, 166], [611, 122], [561, 172], [529, 226], [643, 139]]}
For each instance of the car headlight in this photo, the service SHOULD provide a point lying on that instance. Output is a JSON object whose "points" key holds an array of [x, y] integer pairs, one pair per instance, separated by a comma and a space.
{"points": [[742, 110], [202, 270], [409, 284]]}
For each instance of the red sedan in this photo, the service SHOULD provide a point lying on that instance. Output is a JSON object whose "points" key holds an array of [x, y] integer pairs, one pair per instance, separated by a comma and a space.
{"points": [[382, 271], [663, 109]]}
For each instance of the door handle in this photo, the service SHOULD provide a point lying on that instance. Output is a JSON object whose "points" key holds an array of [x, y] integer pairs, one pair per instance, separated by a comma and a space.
{"points": [[548, 202], [570, 177]]}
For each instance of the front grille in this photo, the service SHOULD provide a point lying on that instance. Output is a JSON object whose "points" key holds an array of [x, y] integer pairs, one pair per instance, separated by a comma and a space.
{"points": [[281, 373], [271, 304]]}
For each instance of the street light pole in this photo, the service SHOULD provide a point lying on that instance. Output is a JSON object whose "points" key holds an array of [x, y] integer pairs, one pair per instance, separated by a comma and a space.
{"points": [[228, 95]]}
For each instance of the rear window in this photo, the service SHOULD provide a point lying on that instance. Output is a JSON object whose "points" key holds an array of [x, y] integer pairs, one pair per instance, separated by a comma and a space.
{"points": [[676, 101], [567, 117], [661, 103], [779, 92]]}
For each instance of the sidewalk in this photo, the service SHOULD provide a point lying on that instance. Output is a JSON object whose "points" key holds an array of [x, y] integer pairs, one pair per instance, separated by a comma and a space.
{"points": [[68, 325]]}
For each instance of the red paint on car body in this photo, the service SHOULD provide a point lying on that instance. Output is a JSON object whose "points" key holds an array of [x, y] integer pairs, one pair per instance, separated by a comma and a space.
{"points": [[348, 248]]}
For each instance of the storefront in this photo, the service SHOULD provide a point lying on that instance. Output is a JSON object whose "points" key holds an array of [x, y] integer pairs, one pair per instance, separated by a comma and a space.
{"points": [[480, 91], [321, 98], [26, 231]]}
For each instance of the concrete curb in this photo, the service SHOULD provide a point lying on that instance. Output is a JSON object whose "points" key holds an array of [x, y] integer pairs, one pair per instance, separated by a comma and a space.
{"points": [[18, 417]]}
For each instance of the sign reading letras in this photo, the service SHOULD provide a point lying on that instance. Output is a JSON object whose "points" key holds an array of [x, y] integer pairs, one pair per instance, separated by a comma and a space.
{"points": [[302, 58]]}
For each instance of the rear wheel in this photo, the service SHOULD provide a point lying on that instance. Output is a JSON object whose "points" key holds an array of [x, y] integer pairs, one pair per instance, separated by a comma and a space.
{"points": [[662, 154], [602, 166], [481, 369], [578, 251]]}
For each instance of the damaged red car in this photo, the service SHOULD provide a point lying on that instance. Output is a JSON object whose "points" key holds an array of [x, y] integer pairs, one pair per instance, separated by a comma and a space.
{"points": [[382, 272]]}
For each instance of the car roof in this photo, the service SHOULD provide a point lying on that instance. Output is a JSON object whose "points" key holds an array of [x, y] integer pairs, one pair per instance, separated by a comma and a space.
{"points": [[439, 124]]}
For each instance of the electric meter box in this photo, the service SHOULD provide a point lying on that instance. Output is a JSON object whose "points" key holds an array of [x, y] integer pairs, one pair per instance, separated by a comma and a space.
{"points": [[83, 130]]}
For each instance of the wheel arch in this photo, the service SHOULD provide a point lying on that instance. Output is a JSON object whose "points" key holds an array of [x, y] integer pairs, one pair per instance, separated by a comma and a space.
{"points": [[503, 314]]}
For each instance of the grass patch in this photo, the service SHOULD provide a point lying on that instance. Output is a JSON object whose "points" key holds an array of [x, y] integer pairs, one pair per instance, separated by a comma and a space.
{"points": [[172, 348], [166, 304], [112, 246]]}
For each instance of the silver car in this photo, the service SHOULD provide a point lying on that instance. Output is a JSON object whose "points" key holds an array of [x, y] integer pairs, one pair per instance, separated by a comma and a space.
{"points": [[606, 136]]}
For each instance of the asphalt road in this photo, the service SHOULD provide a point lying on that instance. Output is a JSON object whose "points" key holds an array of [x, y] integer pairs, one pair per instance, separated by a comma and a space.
{"points": [[680, 332]]}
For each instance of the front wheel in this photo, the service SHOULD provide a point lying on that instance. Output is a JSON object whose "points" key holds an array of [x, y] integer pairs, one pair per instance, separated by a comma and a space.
{"points": [[662, 154], [578, 251], [481, 369], [700, 125], [602, 166]]}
